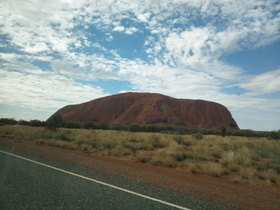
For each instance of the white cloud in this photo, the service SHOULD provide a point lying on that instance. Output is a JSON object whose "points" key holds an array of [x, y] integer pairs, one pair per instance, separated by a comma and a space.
{"points": [[131, 30], [36, 48], [39, 26], [119, 28], [109, 37], [265, 83], [188, 47], [171, 81], [10, 57], [43, 90], [144, 17], [55, 20]]}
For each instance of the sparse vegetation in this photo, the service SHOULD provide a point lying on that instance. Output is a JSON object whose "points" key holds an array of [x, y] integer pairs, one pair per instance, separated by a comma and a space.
{"points": [[243, 159], [148, 128]]}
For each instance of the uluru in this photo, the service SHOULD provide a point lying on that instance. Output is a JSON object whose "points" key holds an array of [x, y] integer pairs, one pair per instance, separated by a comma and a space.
{"points": [[146, 108]]}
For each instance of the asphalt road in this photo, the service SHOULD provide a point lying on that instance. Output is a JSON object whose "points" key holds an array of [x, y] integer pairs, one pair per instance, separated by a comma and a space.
{"points": [[29, 181]]}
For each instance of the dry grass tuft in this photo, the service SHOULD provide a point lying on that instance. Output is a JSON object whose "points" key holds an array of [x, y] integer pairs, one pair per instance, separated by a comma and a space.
{"points": [[161, 160], [194, 167], [143, 157], [268, 175], [119, 150], [212, 169]]}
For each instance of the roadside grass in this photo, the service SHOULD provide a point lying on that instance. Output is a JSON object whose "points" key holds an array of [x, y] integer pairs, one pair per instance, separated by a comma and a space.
{"points": [[243, 159], [20, 132]]}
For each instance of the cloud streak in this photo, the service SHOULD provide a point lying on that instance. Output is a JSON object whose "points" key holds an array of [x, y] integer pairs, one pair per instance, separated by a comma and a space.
{"points": [[263, 84]]}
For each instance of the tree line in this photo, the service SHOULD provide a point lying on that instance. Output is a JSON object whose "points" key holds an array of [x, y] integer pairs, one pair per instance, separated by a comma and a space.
{"points": [[56, 121]]}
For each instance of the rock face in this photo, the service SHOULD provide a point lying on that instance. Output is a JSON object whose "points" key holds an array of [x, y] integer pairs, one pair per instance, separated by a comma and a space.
{"points": [[143, 108]]}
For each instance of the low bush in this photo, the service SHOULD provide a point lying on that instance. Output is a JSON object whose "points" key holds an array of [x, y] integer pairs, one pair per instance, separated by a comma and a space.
{"points": [[201, 153], [143, 157], [194, 167], [160, 160], [156, 141], [212, 169], [62, 135], [106, 144], [178, 139], [45, 134], [59, 135], [197, 136], [85, 147], [248, 173], [121, 151], [239, 156], [269, 175]]}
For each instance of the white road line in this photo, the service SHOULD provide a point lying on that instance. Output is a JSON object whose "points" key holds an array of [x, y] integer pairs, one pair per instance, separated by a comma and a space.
{"points": [[96, 181]]}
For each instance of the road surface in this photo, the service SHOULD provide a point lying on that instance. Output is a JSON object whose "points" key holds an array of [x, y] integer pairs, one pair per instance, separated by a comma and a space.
{"points": [[29, 181]]}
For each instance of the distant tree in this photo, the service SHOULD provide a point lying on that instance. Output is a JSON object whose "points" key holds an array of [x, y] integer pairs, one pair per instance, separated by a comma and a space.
{"points": [[89, 125], [8, 121], [72, 125], [135, 127], [23, 122], [274, 135], [116, 127], [224, 131], [35, 123], [54, 122], [103, 126], [151, 128]]}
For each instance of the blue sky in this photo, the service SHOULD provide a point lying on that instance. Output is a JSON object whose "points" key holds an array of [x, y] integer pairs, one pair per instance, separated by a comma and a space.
{"points": [[54, 53]]}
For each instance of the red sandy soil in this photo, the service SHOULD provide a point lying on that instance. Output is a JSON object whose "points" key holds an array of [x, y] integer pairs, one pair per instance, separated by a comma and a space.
{"points": [[217, 189], [143, 108]]}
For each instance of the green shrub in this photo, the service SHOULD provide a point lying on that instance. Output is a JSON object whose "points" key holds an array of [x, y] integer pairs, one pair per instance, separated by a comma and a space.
{"points": [[102, 126], [35, 123], [72, 125], [54, 122], [224, 131], [89, 125], [7, 121], [135, 128]]}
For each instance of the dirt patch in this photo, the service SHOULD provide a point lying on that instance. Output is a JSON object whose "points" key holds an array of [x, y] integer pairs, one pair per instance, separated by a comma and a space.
{"points": [[211, 188]]}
